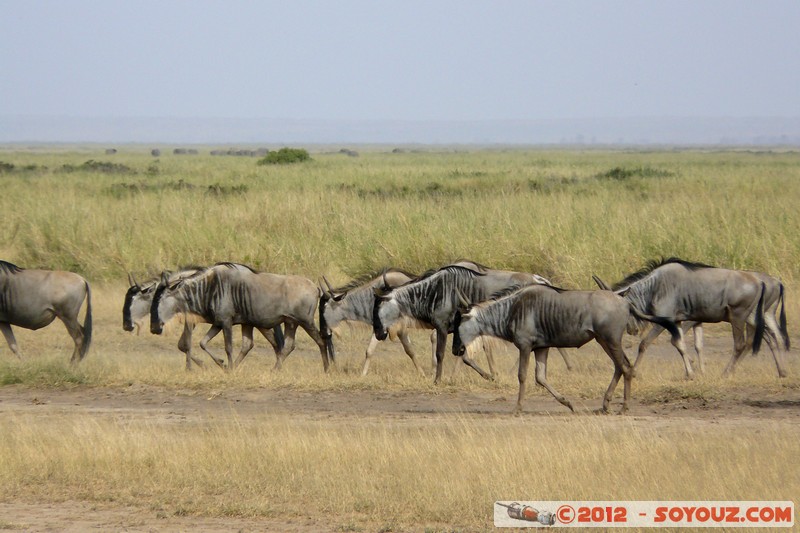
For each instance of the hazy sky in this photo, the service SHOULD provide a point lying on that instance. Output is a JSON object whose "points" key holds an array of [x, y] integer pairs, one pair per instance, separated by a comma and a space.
{"points": [[407, 60]]}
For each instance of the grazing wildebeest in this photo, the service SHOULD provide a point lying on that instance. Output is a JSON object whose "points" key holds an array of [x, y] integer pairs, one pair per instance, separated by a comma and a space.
{"points": [[32, 299], [775, 333], [433, 299], [539, 317], [229, 293], [683, 290], [353, 302], [138, 300]]}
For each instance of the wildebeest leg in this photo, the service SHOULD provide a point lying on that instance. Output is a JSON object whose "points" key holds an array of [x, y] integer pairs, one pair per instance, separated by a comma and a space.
{"points": [[739, 346], [648, 339], [5, 327], [76, 332], [373, 342], [487, 348], [774, 339], [409, 349], [227, 334], [622, 367], [289, 330], [697, 331], [565, 356], [247, 344], [680, 345], [541, 377], [441, 341], [656, 330], [433, 351], [269, 334], [313, 332], [185, 345], [470, 363], [213, 331], [522, 375]]}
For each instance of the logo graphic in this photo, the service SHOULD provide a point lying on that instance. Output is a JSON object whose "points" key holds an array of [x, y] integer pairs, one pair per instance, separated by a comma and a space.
{"points": [[517, 511]]}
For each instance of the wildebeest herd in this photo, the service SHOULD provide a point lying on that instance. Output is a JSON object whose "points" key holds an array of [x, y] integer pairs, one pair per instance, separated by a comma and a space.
{"points": [[466, 299]]}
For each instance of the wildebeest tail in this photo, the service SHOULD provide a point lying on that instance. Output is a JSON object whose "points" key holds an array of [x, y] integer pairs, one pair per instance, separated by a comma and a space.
{"points": [[784, 331], [758, 336], [87, 323], [323, 329], [664, 322]]}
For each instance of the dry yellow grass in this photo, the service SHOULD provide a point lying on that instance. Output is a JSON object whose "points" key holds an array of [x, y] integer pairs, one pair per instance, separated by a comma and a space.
{"points": [[444, 471], [556, 213]]}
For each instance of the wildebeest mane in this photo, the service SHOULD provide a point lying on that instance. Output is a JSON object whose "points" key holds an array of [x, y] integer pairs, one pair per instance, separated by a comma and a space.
{"points": [[654, 264], [230, 264], [481, 268], [502, 293], [9, 268]]}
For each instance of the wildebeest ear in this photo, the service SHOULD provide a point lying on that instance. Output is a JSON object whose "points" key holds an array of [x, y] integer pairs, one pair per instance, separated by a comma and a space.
{"points": [[601, 283], [623, 292], [379, 292]]}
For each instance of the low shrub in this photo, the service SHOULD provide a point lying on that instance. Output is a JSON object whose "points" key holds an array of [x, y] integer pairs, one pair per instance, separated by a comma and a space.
{"points": [[285, 156]]}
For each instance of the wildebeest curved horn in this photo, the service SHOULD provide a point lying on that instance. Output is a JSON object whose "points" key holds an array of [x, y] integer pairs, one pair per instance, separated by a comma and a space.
{"points": [[385, 281], [325, 292], [131, 281], [328, 283], [601, 283]]}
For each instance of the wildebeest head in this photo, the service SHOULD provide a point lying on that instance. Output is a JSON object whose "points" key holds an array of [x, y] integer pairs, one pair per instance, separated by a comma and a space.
{"points": [[463, 317], [164, 306], [137, 303], [329, 317], [133, 291], [385, 311], [330, 303]]}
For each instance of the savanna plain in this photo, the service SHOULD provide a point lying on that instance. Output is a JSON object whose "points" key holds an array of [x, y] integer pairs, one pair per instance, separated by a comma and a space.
{"points": [[130, 441]]}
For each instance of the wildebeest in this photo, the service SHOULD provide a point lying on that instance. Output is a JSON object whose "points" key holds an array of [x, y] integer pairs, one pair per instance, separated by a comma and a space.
{"points": [[32, 299], [539, 317], [229, 293], [682, 290], [775, 333], [353, 302], [434, 298], [138, 300]]}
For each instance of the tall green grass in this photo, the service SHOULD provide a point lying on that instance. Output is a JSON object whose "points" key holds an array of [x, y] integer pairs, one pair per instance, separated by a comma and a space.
{"points": [[565, 215]]}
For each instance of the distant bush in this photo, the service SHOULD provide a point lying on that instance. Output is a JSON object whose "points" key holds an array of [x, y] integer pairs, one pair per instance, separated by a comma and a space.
{"points": [[285, 156], [224, 190], [105, 167], [622, 174], [6, 167]]}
